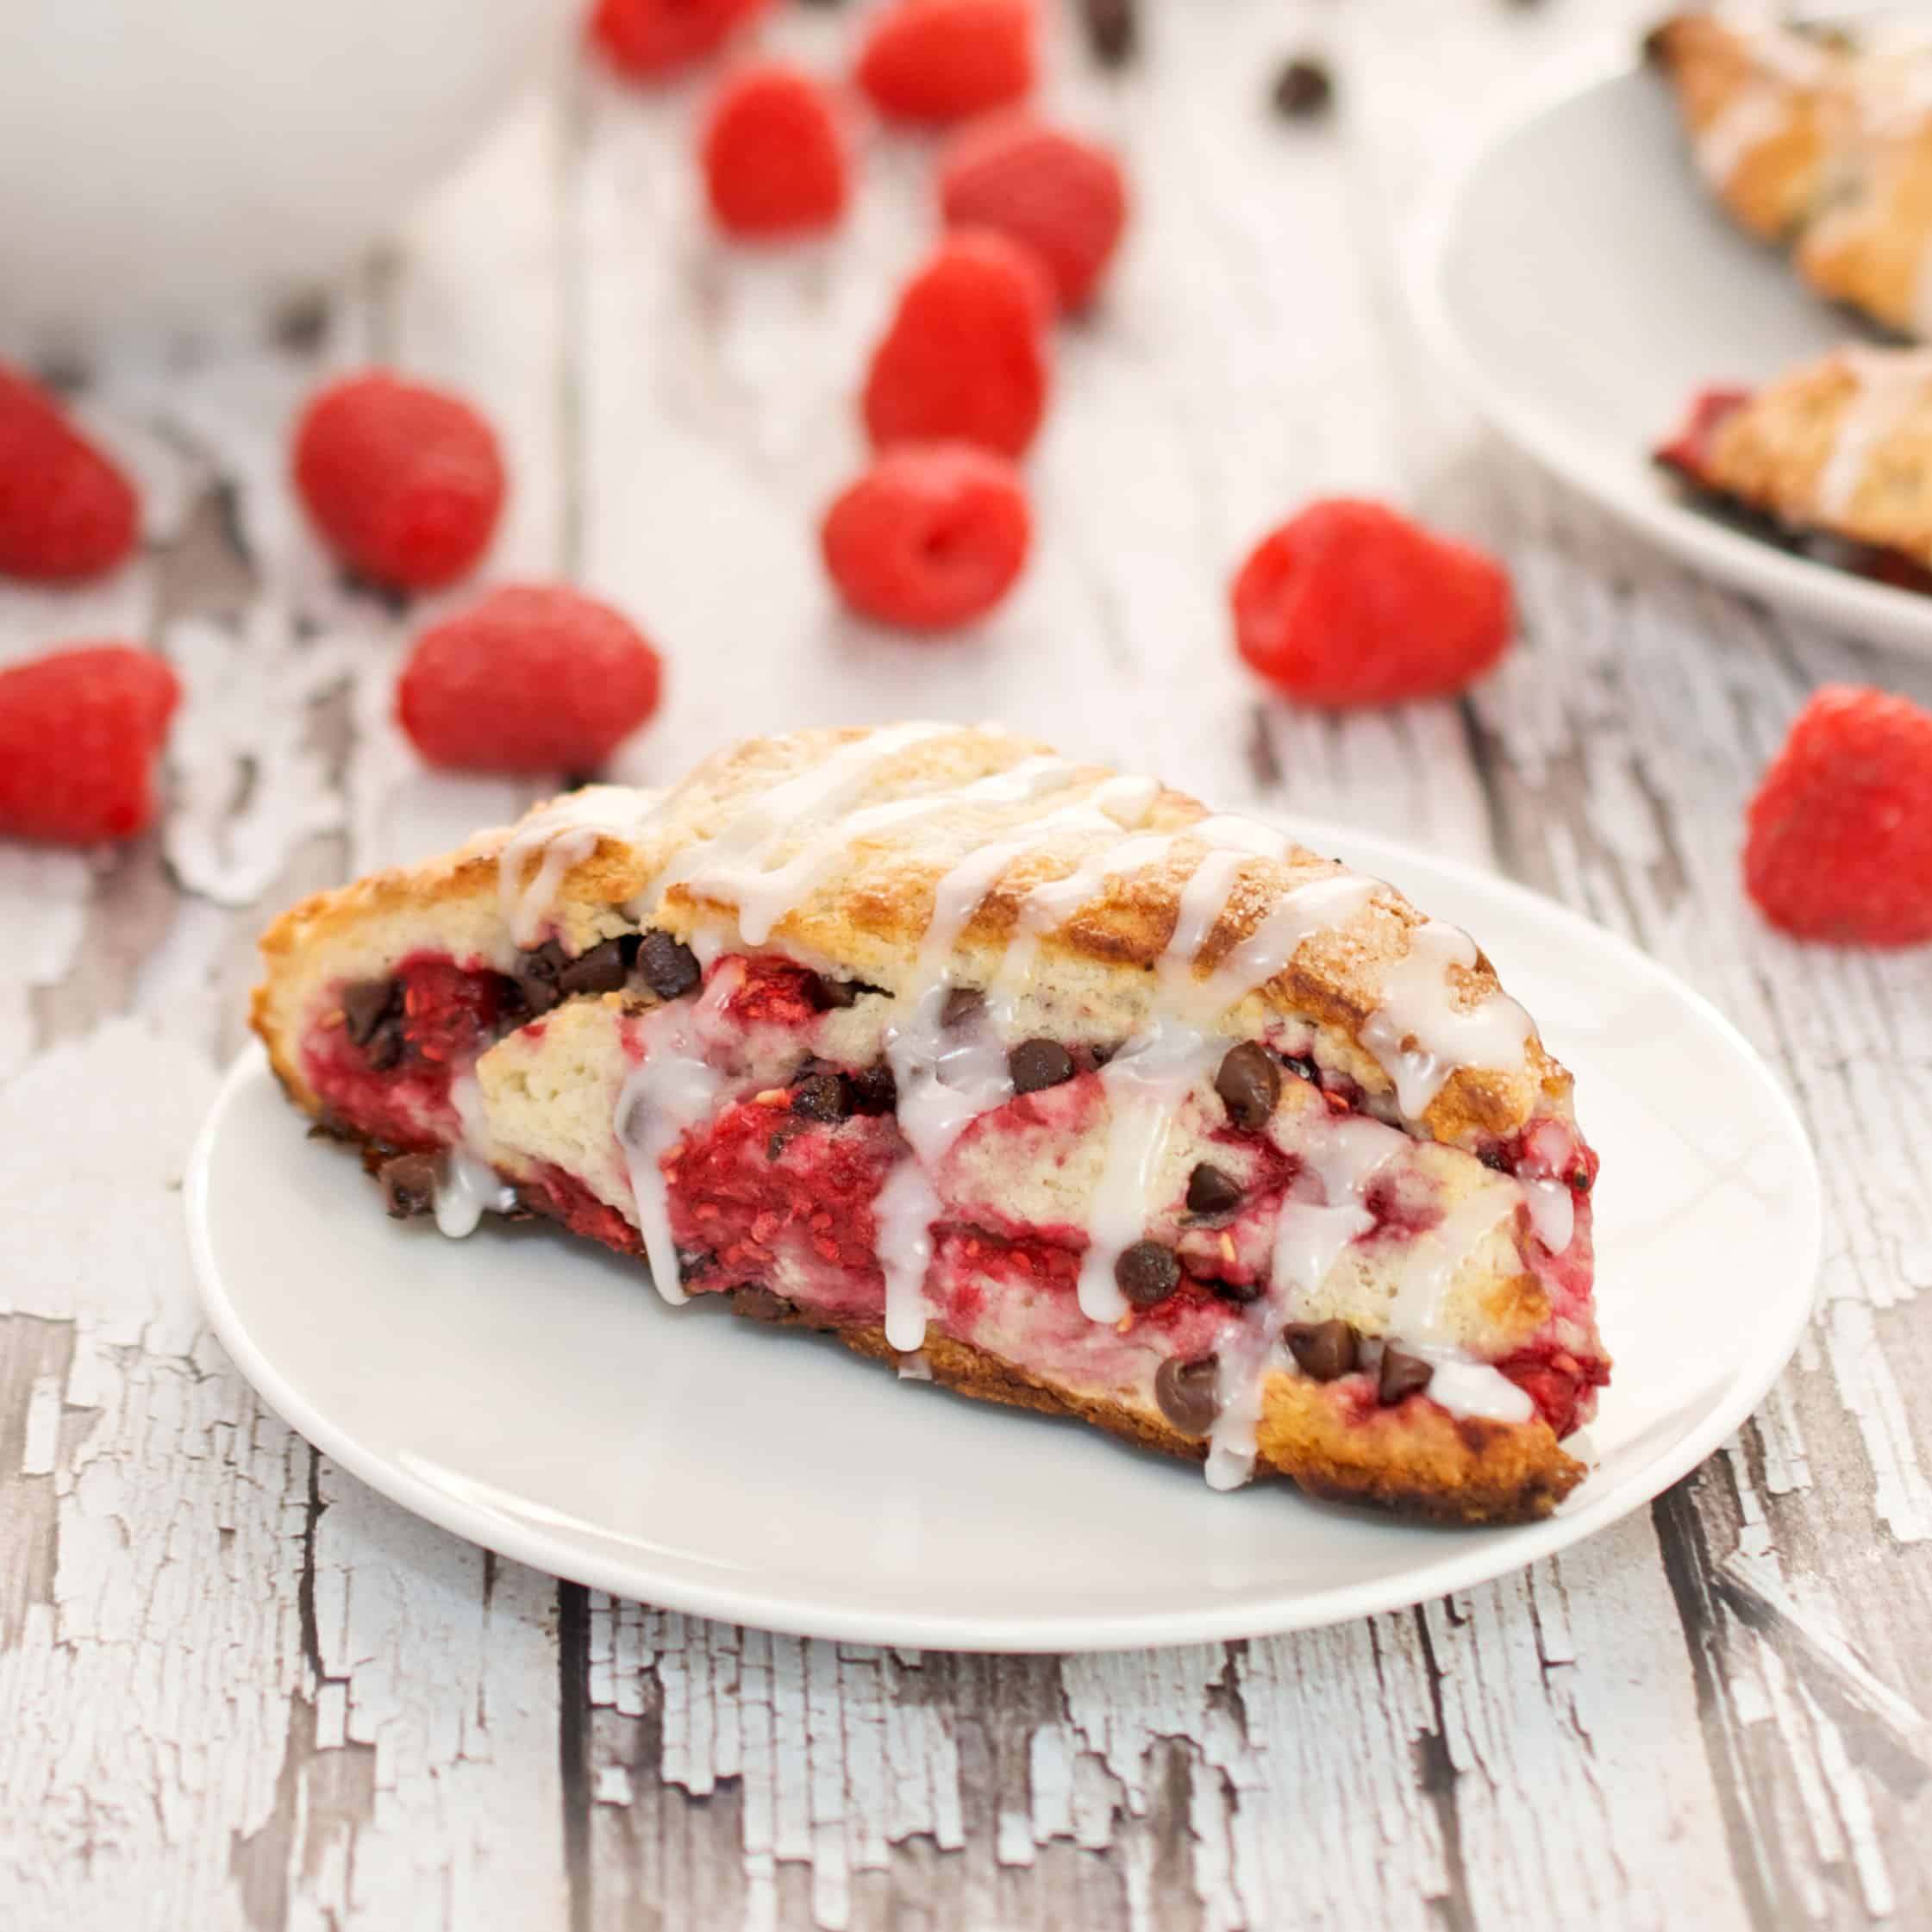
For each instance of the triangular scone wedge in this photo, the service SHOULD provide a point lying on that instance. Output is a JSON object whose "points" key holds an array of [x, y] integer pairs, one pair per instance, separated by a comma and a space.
{"points": [[1840, 448], [1040, 1080], [1819, 141]]}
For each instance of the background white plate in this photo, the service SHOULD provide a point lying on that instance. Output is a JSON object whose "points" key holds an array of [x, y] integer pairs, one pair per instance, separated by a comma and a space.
{"points": [[1581, 284], [534, 1394]]}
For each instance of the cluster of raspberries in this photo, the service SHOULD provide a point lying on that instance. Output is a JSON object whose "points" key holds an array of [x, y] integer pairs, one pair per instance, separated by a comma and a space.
{"points": [[1348, 602]]}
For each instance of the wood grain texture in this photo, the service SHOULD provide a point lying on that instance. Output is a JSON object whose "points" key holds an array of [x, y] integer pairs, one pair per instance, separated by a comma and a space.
{"points": [[238, 1689]]}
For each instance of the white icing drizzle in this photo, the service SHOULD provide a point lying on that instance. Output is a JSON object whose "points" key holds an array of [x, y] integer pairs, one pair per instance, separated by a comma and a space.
{"points": [[1889, 383], [1758, 113], [1308, 910], [670, 1091], [1468, 1388], [1420, 1035], [1416, 1315], [560, 837], [467, 1187], [1553, 1213]]}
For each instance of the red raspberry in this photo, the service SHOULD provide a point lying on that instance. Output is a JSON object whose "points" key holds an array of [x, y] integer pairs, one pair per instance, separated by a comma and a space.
{"points": [[404, 482], [65, 510], [931, 536], [1839, 845], [1349, 603], [79, 730], [944, 60], [1056, 194], [643, 39], [535, 679], [774, 159], [964, 360]]}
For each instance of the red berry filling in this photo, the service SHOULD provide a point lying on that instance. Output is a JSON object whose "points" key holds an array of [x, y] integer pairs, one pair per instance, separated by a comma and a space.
{"points": [[1689, 450]]}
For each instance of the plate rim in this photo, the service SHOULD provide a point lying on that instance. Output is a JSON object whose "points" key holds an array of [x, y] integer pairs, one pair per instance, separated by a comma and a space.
{"points": [[1877, 613], [1770, 1345]]}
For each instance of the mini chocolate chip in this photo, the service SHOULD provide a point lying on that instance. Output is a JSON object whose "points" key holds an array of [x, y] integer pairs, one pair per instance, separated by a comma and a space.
{"points": [[783, 1135], [1210, 1189], [1147, 1273], [962, 1005], [1189, 1393], [1249, 1083], [874, 1090], [1113, 32], [1302, 1067], [1323, 1350], [1304, 89], [1402, 1375], [1241, 1293], [1105, 1052], [601, 970], [386, 1045], [821, 1097], [409, 1184], [830, 995], [1491, 1158], [1580, 1180], [669, 966], [760, 1304], [366, 1005], [1036, 1064]]}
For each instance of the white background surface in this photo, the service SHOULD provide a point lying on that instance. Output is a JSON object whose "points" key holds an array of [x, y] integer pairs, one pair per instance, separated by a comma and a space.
{"points": [[238, 1689]]}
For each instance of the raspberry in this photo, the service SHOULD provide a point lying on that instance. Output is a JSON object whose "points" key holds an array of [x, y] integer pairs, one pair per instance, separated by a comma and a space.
{"points": [[963, 360], [1349, 603], [931, 536], [404, 482], [533, 678], [65, 510], [774, 160], [80, 729], [944, 60], [643, 39], [1839, 844], [1054, 193]]}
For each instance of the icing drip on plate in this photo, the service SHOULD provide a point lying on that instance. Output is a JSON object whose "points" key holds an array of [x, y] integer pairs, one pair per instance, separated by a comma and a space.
{"points": [[467, 1187]]}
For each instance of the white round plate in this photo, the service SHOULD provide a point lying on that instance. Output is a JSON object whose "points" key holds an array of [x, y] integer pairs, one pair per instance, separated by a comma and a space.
{"points": [[1581, 284], [533, 1393]]}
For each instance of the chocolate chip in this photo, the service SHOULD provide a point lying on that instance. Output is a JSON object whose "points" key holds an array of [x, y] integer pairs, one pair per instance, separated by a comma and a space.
{"points": [[1578, 1178], [1189, 1393], [1241, 1293], [669, 966], [1402, 1375], [874, 1090], [1324, 1350], [783, 1135], [1302, 1067], [409, 1184], [1147, 1273], [962, 1005], [386, 1045], [366, 1005], [830, 994], [1113, 32], [821, 1097], [601, 970], [1106, 1051], [1249, 1083], [537, 969], [760, 1304], [1212, 1191], [1491, 1158], [1036, 1064], [1304, 89]]}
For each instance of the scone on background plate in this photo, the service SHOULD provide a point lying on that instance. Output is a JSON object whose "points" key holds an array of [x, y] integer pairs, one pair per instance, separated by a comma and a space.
{"points": [[1040, 1081]]}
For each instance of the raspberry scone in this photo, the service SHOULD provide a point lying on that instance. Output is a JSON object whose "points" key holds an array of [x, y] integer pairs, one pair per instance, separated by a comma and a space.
{"points": [[1818, 140], [1837, 454], [1040, 1081]]}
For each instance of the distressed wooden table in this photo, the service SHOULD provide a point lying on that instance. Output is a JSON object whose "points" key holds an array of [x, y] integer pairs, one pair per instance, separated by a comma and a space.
{"points": [[237, 1689]]}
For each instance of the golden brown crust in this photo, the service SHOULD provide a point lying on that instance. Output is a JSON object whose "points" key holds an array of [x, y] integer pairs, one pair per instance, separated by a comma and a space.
{"points": [[870, 911], [1842, 445], [1418, 1458]]}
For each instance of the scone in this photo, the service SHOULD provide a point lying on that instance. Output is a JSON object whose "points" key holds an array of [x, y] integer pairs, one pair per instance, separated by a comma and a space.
{"points": [[1818, 141], [1840, 449], [1038, 1080]]}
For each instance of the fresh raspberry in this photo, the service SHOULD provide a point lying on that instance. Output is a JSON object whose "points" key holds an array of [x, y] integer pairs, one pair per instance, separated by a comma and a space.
{"points": [[404, 482], [65, 510], [1054, 193], [643, 39], [964, 360], [774, 159], [1839, 845], [535, 679], [944, 60], [80, 731], [1349, 603], [933, 535]]}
